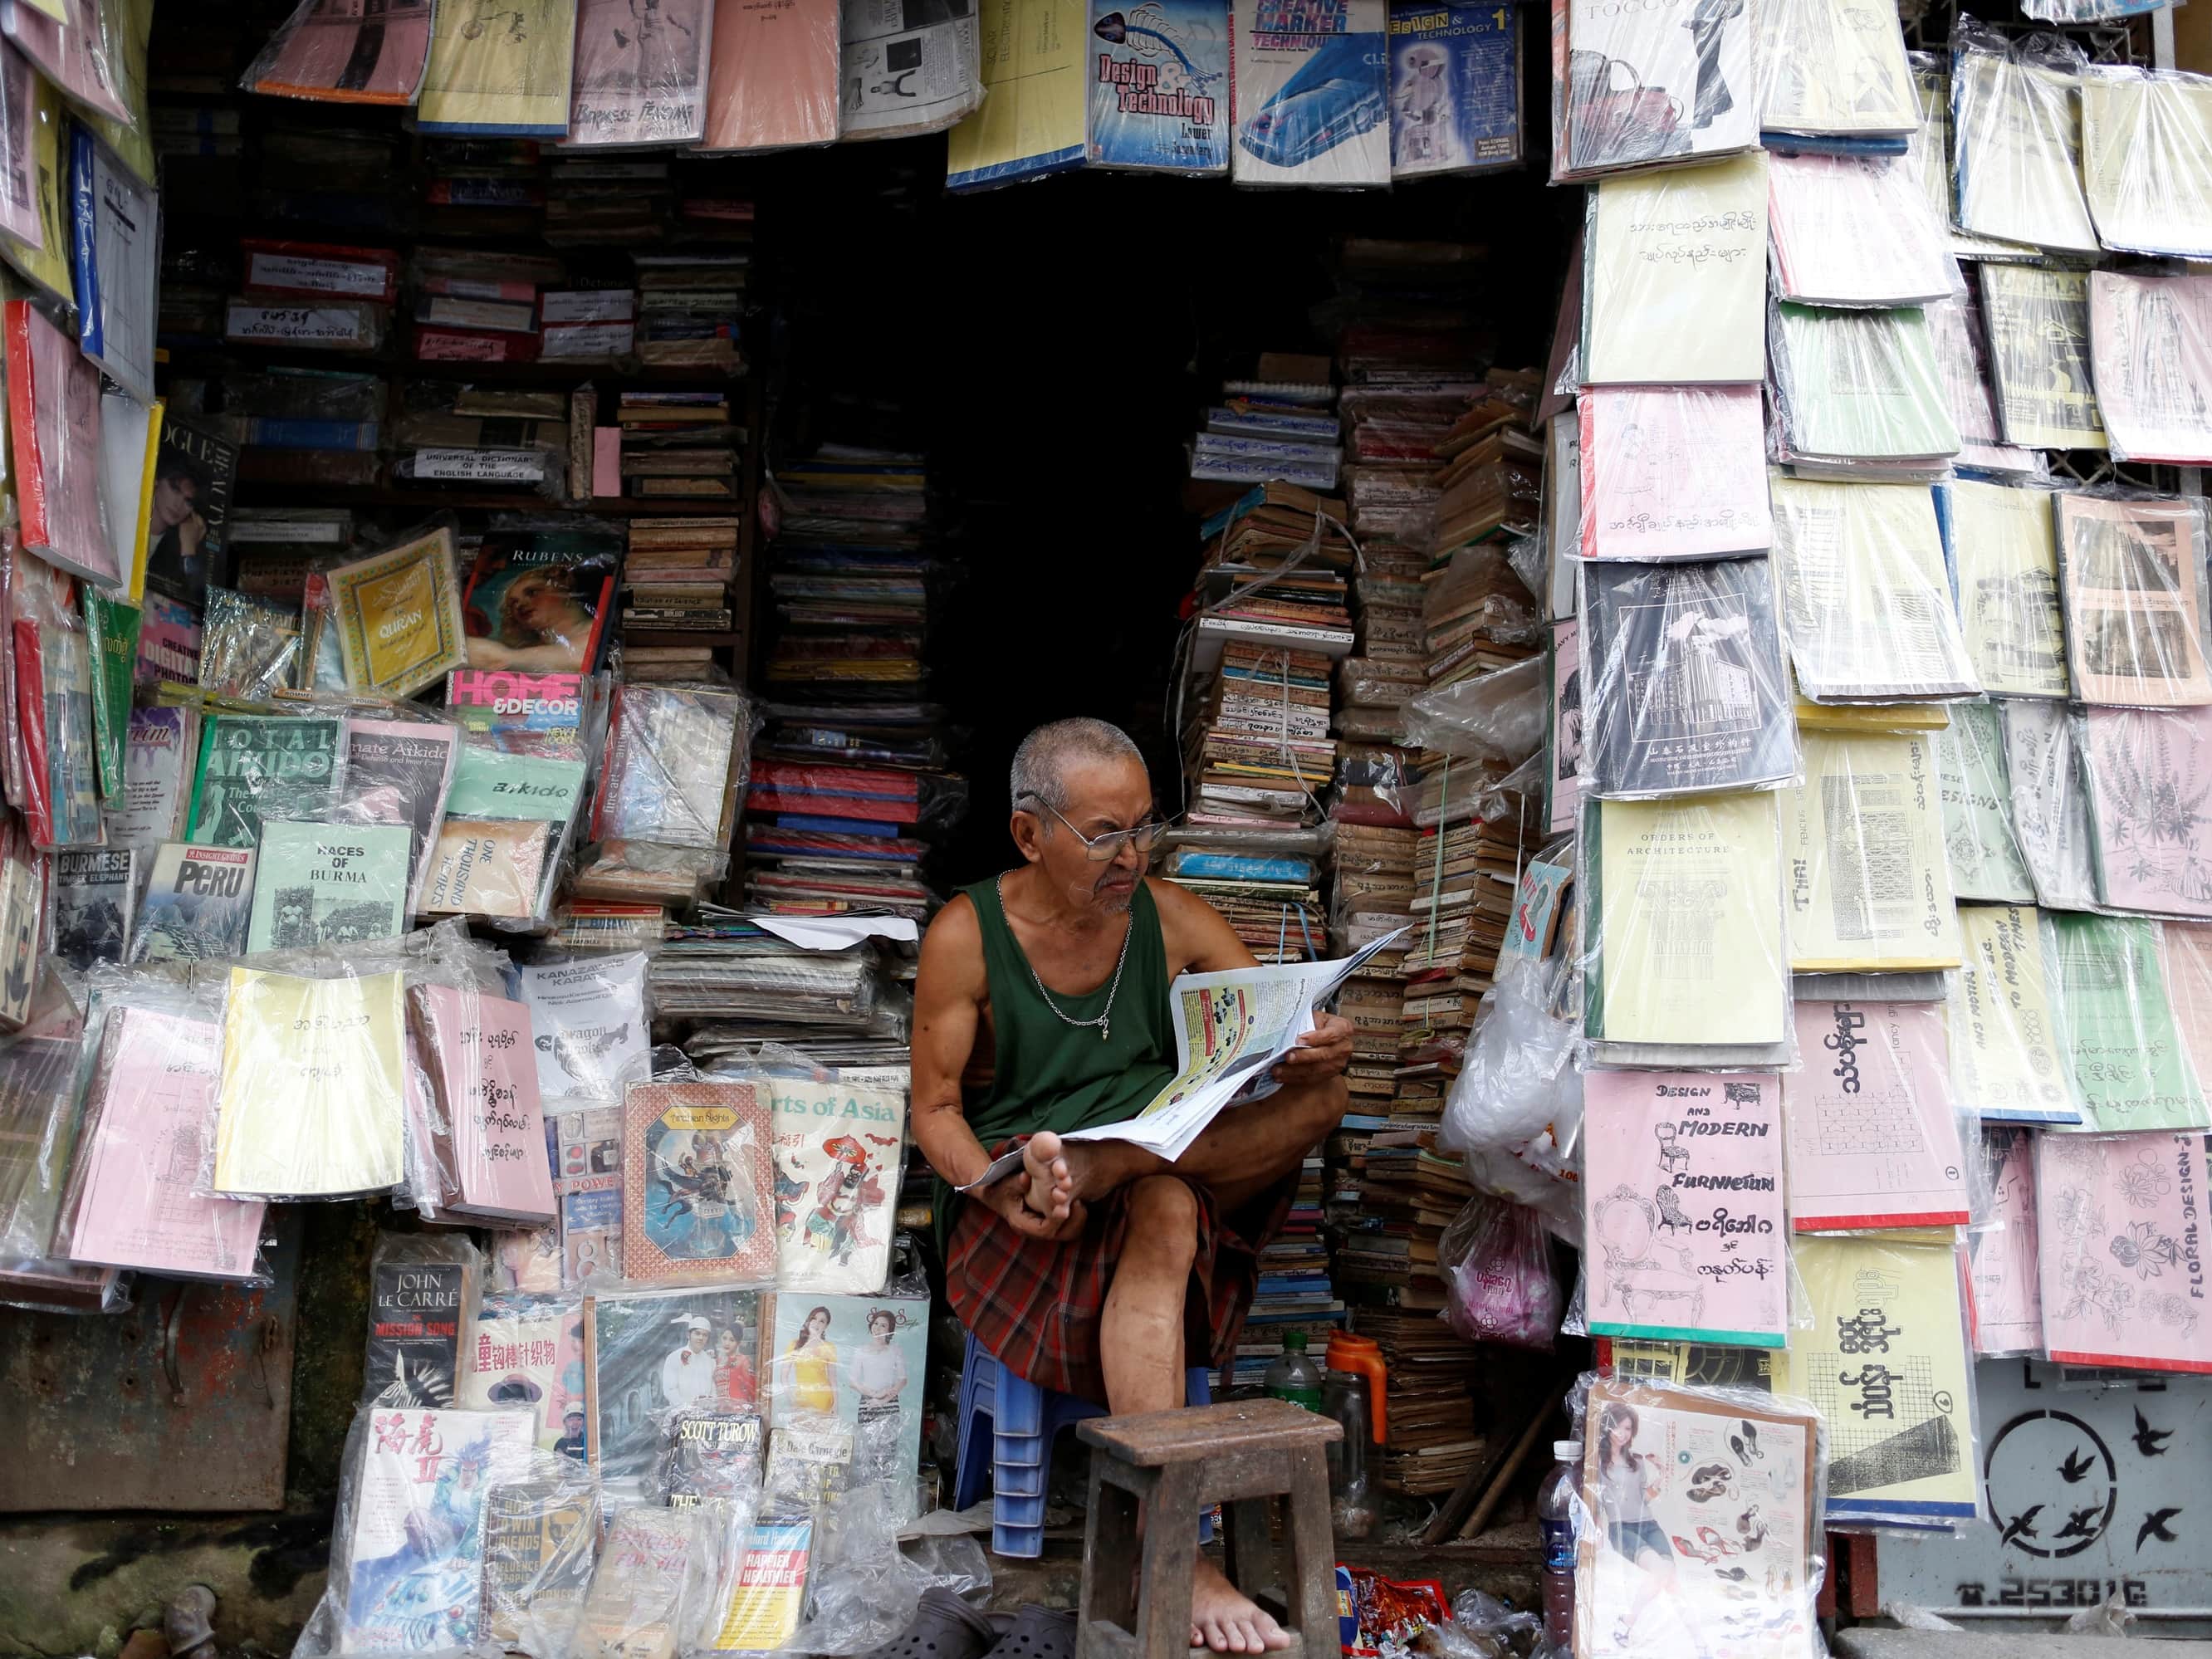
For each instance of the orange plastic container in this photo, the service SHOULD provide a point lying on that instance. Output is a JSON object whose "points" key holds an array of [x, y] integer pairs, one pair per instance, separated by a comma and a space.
{"points": [[1347, 1352]]}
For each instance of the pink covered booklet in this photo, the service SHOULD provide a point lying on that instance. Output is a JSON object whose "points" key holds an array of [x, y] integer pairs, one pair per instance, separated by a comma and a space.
{"points": [[2118, 1219], [2008, 1295], [147, 1115], [1683, 1231], [1674, 472], [491, 1145], [1872, 1126]]}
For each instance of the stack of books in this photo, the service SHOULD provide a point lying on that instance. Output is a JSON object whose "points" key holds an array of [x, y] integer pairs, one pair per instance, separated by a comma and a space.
{"points": [[451, 433], [1295, 1292], [478, 306], [1280, 425], [849, 765], [322, 175], [689, 307], [607, 200], [678, 445], [676, 578], [299, 426], [312, 296], [489, 187]]}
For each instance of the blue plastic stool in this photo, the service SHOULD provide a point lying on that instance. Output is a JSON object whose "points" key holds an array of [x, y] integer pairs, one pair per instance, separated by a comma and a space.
{"points": [[1007, 1425]]}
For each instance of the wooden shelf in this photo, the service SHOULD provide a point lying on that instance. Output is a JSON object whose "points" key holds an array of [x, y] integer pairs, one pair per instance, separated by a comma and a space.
{"points": [[267, 494], [559, 373], [726, 641]]}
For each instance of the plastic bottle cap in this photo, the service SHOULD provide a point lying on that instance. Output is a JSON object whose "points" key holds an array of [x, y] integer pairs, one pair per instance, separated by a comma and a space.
{"points": [[1567, 1451], [1295, 1340]]}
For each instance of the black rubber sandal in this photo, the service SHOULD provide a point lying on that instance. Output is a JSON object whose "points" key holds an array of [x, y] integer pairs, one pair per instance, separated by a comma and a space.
{"points": [[944, 1627], [1038, 1633]]}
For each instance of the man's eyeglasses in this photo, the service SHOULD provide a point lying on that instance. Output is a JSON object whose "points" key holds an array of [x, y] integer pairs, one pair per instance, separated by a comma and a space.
{"points": [[1101, 849]]}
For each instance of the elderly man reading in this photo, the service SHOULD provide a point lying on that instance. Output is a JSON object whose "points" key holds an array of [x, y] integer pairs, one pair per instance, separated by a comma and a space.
{"points": [[1099, 1269]]}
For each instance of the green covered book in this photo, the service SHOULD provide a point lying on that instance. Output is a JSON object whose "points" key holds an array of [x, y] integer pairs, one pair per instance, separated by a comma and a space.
{"points": [[2119, 1026], [253, 767], [329, 884]]}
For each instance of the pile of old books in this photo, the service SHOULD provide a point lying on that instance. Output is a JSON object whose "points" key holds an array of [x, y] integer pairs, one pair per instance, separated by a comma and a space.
{"points": [[1294, 1292], [1279, 427], [681, 446], [677, 581], [478, 306], [689, 306], [476, 437], [295, 426]]}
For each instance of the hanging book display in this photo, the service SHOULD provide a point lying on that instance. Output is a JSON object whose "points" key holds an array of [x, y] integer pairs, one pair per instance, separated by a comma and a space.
{"points": [[399, 772], [53, 415], [2132, 575], [2003, 549], [1860, 390], [2150, 347], [1981, 845], [1684, 1236], [1868, 609], [1873, 1132], [258, 767], [2049, 806], [1683, 688], [116, 219], [506, 77], [1830, 70], [908, 72], [640, 73], [1855, 230], [1955, 327], [2146, 160], [95, 889], [2147, 838], [2016, 138], [2008, 1061], [487, 1152], [1683, 946], [1285, 54], [2039, 325], [1675, 277], [197, 906], [650, 1355], [1159, 95], [774, 82], [1674, 472], [2117, 1217], [1035, 94], [2003, 1268], [2134, 1072], [1862, 836], [1931, 152], [1691, 98], [1454, 88], [346, 51]]}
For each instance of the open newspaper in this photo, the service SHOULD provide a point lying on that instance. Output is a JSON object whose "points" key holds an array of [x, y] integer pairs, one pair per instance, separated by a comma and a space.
{"points": [[1231, 1028]]}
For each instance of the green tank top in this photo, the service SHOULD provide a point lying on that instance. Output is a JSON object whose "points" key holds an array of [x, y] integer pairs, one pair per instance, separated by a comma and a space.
{"points": [[1048, 1074]]}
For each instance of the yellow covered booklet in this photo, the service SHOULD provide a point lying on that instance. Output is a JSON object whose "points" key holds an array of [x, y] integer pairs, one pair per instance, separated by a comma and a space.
{"points": [[1687, 945], [500, 71], [309, 1102], [1031, 122], [1869, 882], [399, 616]]}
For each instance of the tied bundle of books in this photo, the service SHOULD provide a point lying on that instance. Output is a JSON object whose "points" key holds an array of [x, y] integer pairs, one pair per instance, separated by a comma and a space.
{"points": [[691, 307], [1388, 663], [677, 445], [481, 437], [312, 296], [758, 988], [474, 305], [587, 324], [1491, 483], [304, 426], [1476, 617], [850, 770], [1280, 425], [1433, 1378]]}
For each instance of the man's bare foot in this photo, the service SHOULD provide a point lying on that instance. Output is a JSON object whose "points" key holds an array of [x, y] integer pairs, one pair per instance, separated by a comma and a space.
{"points": [[1047, 1163], [1227, 1621]]}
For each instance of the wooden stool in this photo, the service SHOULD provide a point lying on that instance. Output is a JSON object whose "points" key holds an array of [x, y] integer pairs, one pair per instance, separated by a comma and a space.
{"points": [[1243, 1455]]}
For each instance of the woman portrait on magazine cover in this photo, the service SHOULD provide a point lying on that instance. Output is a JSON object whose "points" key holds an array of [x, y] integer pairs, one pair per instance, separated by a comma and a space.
{"points": [[1627, 1482], [532, 620]]}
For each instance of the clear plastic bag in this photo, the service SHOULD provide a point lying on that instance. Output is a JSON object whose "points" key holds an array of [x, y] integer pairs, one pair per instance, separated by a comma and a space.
{"points": [[2038, 321], [2016, 137], [654, 1575], [1863, 838], [656, 1355], [1675, 277], [2133, 1070], [52, 670], [249, 648], [423, 1290], [2009, 1060], [526, 1352], [1885, 1068], [399, 614], [399, 772], [1827, 69], [1886, 1355], [1856, 230], [1860, 390], [2185, 954], [502, 847], [1634, 87], [2007, 1299], [541, 1541], [1738, 1472], [1684, 1234], [1499, 1285], [640, 75], [1930, 150], [254, 768], [775, 83], [478, 1127], [75, 55], [2145, 848], [1684, 955], [38, 1117], [2050, 807], [2115, 1217], [2146, 160], [2150, 347], [2001, 545], [861, 1362], [1683, 684], [1983, 848], [337, 55], [2132, 574], [591, 1021], [1498, 716], [1868, 609], [1955, 325], [50, 1286], [1672, 473], [506, 77], [148, 1082], [677, 766]]}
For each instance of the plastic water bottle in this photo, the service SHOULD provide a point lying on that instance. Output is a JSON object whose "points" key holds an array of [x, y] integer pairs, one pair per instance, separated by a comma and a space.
{"points": [[1555, 1515], [1294, 1376]]}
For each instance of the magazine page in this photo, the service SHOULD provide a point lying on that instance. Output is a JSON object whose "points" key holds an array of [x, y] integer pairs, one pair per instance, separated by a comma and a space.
{"points": [[1856, 230], [1675, 277], [1873, 1131], [1982, 846], [1667, 83], [1830, 67], [2134, 1071], [2117, 1225], [910, 67], [2016, 139], [1863, 838], [1673, 472]]}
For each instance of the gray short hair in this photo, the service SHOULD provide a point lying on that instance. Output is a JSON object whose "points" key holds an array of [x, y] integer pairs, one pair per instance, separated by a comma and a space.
{"points": [[1041, 763]]}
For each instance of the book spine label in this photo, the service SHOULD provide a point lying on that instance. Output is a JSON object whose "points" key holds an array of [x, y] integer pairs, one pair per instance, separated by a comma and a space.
{"points": [[591, 305], [326, 326], [439, 345], [482, 465], [299, 273]]}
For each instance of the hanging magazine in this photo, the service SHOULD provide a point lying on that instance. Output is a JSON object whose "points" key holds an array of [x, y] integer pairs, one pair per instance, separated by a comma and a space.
{"points": [[2185, 953], [1159, 85], [2050, 806], [2133, 1069], [837, 1151], [698, 1191], [774, 82], [505, 74], [1684, 1234], [1860, 387], [2132, 574], [1651, 85], [1289, 53], [1955, 325], [346, 51], [1675, 277], [2146, 160], [1930, 151], [1673, 472], [2009, 1062], [1862, 836], [1454, 88], [1870, 613], [1983, 848], [2039, 326], [2150, 347], [2016, 138], [2118, 1220], [640, 73], [1036, 95], [1684, 688], [1855, 230], [2148, 772], [1873, 1130], [2008, 1305], [1830, 69], [2003, 551]]}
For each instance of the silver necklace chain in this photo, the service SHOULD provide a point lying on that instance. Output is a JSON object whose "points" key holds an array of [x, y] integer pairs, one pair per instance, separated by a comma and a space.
{"points": [[1104, 1022]]}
